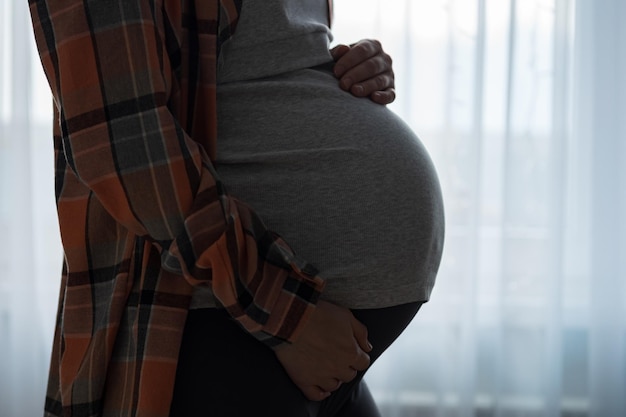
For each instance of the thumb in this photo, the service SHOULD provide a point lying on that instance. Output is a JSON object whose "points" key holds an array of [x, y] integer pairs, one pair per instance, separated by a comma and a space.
{"points": [[360, 334]]}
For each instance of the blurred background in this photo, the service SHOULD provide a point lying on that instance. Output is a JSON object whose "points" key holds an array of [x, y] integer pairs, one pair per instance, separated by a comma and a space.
{"points": [[522, 104]]}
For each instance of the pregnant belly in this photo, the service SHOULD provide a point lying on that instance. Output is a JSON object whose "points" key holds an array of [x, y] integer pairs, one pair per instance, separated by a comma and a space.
{"points": [[343, 180]]}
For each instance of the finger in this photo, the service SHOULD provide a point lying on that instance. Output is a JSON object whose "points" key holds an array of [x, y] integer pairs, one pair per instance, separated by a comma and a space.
{"points": [[314, 393], [360, 334], [380, 82], [358, 53], [330, 385], [365, 71], [347, 375], [339, 51], [384, 97], [362, 361]]}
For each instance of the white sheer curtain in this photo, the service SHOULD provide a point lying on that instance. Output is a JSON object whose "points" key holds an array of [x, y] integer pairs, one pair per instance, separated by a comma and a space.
{"points": [[522, 104], [30, 251]]}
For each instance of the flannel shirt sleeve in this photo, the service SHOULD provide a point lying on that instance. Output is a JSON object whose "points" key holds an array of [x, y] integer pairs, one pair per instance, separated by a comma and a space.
{"points": [[113, 79]]}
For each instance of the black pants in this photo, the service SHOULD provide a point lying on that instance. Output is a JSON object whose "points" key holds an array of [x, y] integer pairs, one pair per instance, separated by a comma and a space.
{"points": [[225, 372]]}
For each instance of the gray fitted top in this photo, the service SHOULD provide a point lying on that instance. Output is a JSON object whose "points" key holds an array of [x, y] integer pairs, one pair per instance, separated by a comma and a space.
{"points": [[344, 180], [275, 37]]}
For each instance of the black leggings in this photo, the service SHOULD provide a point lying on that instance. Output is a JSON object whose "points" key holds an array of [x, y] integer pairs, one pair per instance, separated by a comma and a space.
{"points": [[225, 372]]}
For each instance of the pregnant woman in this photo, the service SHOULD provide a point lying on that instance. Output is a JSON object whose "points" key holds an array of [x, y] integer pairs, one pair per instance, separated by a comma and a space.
{"points": [[177, 297]]}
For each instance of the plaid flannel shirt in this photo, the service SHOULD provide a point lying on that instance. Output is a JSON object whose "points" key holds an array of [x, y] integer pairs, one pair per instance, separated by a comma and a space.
{"points": [[143, 216]]}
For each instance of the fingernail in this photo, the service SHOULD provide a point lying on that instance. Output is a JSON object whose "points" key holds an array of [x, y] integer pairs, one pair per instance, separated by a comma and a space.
{"points": [[369, 345], [358, 89]]}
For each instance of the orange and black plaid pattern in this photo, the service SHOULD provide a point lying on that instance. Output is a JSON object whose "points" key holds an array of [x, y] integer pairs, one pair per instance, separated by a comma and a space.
{"points": [[143, 216]]}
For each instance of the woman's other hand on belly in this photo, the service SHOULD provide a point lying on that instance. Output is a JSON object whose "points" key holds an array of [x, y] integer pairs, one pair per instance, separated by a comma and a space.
{"points": [[365, 70], [330, 351]]}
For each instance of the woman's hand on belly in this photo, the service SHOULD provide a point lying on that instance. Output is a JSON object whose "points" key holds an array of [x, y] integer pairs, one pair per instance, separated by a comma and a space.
{"points": [[330, 351], [365, 70]]}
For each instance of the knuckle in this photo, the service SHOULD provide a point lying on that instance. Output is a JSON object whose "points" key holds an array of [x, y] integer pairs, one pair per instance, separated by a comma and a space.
{"points": [[376, 44], [352, 373], [373, 66], [362, 361], [370, 46], [390, 81], [381, 84], [359, 46]]}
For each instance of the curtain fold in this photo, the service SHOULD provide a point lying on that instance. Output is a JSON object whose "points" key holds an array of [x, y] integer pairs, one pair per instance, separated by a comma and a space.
{"points": [[601, 116], [522, 105]]}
